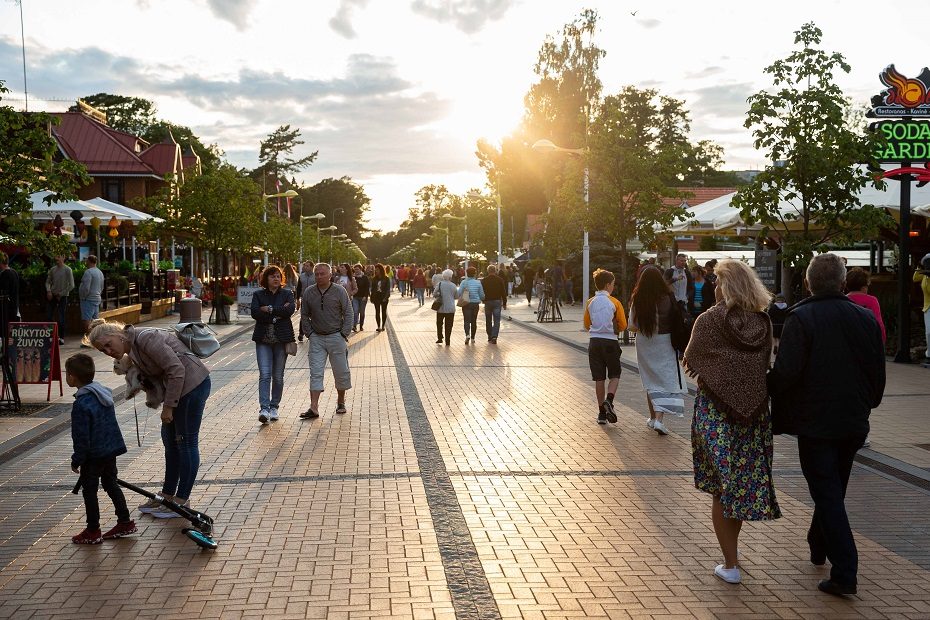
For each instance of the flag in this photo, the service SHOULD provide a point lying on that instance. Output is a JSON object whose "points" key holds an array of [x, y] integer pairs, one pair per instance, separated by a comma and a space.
{"points": [[277, 185]]}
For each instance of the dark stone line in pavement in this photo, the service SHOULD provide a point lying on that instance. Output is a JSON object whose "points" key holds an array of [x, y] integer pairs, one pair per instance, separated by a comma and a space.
{"points": [[465, 577]]}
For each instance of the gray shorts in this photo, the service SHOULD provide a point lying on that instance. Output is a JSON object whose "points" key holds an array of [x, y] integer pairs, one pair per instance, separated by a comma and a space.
{"points": [[336, 348]]}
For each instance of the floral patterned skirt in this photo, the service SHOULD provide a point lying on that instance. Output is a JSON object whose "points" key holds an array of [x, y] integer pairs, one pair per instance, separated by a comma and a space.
{"points": [[734, 462]]}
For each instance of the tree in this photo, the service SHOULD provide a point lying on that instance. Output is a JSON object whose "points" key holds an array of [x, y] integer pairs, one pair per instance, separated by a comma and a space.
{"points": [[639, 147], [331, 194], [809, 196], [133, 115], [222, 211], [28, 164], [211, 156], [275, 153]]}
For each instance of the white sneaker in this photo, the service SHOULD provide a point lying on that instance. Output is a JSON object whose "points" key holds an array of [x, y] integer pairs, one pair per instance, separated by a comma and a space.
{"points": [[651, 423], [660, 428], [273, 414], [263, 416], [730, 575], [867, 442], [165, 513], [149, 506]]}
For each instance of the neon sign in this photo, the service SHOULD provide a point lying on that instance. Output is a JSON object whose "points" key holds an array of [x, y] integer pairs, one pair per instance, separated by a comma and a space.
{"points": [[904, 140]]}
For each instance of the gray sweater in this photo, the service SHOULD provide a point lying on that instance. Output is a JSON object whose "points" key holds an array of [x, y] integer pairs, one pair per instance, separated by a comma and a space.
{"points": [[60, 280], [326, 312], [91, 285]]}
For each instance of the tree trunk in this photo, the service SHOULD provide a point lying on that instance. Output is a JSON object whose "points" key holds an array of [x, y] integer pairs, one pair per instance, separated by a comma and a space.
{"points": [[787, 275], [624, 274]]}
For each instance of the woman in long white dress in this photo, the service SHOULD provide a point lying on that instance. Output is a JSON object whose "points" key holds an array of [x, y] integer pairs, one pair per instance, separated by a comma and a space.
{"points": [[651, 311]]}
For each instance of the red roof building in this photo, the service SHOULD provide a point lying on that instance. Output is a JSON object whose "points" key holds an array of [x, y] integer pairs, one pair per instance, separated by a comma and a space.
{"points": [[123, 166]]}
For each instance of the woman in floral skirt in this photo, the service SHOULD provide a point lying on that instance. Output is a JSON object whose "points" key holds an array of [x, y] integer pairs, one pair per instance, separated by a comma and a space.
{"points": [[731, 433]]}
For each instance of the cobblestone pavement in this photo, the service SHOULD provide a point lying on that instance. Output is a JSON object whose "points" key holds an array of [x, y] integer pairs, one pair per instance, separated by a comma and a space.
{"points": [[467, 482]]}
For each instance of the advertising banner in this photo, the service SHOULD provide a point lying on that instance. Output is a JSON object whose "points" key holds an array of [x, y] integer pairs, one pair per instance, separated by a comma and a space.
{"points": [[244, 300], [34, 354]]}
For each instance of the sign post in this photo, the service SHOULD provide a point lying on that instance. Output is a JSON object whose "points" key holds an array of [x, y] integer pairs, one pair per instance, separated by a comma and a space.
{"points": [[34, 355], [767, 267], [907, 142]]}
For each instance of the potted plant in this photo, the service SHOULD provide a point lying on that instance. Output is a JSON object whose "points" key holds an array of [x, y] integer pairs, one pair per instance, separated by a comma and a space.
{"points": [[221, 309]]}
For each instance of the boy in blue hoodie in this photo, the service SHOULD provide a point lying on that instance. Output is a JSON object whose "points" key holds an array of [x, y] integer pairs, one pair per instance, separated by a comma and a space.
{"points": [[97, 443]]}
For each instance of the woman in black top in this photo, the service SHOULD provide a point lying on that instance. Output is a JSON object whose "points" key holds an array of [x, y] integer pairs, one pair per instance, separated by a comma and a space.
{"points": [[272, 308], [380, 293], [360, 299]]}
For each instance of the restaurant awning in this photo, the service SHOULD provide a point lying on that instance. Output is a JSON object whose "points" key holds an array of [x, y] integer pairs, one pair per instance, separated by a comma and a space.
{"points": [[42, 211], [124, 212]]}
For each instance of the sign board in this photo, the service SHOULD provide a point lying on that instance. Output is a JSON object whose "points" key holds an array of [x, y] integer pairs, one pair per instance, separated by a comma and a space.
{"points": [[905, 140], [903, 96], [244, 300], [767, 267], [34, 354]]}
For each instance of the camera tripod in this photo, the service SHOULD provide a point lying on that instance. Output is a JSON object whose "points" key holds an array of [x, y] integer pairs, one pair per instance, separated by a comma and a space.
{"points": [[549, 309]]}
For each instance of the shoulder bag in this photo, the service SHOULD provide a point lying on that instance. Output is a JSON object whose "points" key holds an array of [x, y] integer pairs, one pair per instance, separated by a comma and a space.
{"points": [[437, 303], [465, 298], [679, 329]]}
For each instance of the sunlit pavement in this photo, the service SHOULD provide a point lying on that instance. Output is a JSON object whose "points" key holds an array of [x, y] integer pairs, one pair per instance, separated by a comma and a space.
{"points": [[465, 481]]}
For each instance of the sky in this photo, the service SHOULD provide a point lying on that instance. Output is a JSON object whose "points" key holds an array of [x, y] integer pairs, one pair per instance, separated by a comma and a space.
{"points": [[395, 94]]}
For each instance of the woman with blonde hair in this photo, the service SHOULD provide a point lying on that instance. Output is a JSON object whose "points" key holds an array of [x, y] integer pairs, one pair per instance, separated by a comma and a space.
{"points": [[731, 432], [161, 356]]}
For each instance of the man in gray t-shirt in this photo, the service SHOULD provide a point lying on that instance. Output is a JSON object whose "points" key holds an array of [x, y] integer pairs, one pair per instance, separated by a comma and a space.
{"points": [[326, 316], [90, 292], [58, 285]]}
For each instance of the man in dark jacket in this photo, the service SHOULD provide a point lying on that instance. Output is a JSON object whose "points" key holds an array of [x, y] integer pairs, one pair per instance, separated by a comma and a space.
{"points": [[495, 298], [828, 375]]}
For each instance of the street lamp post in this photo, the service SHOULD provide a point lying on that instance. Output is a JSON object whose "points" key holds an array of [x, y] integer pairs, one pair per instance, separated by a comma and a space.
{"points": [[288, 194], [330, 229], [317, 217], [547, 146], [332, 256], [449, 216]]}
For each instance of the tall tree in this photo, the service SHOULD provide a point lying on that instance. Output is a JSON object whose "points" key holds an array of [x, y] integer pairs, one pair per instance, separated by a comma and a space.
{"points": [[133, 115], [329, 195], [276, 153], [809, 196], [28, 164]]}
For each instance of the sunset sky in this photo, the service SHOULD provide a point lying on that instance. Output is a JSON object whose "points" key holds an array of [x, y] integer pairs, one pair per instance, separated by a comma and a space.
{"points": [[395, 93]]}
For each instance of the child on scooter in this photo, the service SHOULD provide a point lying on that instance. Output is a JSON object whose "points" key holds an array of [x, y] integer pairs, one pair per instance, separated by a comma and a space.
{"points": [[97, 442]]}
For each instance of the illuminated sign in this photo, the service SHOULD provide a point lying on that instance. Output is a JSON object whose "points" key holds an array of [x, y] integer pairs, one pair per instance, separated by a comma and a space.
{"points": [[905, 140], [903, 97]]}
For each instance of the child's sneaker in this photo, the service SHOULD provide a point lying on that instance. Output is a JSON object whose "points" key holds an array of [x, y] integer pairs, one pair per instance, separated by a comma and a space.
{"points": [[121, 529], [150, 506], [87, 537]]}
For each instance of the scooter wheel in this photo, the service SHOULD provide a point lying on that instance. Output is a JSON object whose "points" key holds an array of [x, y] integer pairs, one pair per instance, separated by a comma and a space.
{"points": [[202, 540]]}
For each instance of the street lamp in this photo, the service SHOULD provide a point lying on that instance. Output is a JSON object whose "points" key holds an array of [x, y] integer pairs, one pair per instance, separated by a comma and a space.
{"points": [[330, 229], [547, 146], [478, 196], [317, 217], [332, 257], [288, 194], [449, 216]]}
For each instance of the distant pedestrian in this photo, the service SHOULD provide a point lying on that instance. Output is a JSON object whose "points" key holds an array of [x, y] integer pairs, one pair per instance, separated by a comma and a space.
{"points": [[380, 296], [529, 274], [709, 268], [922, 275], [828, 375], [604, 319], [291, 279], [679, 278], [568, 285], [778, 312], [651, 314], [419, 285], [360, 299], [304, 281], [495, 299], [470, 289], [58, 285], [857, 289], [9, 298], [272, 308], [326, 313], [731, 431], [97, 442], [90, 292], [446, 292], [704, 296], [346, 279]]}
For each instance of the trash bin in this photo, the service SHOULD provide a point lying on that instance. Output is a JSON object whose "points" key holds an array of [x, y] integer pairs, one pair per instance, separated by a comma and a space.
{"points": [[191, 310]]}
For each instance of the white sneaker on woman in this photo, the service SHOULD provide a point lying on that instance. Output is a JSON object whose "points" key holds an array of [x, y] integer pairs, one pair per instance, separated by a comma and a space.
{"points": [[651, 423], [730, 575], [273, 414], [263, 416], [660, 428]]}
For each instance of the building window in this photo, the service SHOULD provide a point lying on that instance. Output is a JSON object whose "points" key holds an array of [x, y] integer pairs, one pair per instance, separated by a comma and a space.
{"points": [[112, 190]]}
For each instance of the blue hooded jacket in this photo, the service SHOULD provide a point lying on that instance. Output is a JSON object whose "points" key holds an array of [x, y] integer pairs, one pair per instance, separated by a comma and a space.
{"points": [[94, 429]]}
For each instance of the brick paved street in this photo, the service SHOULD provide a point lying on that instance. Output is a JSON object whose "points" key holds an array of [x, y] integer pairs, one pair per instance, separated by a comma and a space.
{"points": [[467, 482]]}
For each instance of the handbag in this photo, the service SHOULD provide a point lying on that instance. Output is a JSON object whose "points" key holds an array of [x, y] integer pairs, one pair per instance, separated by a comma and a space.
{"points": [[679, 329], [290, 348], [199, 338], [437, 303], [464, 299]]}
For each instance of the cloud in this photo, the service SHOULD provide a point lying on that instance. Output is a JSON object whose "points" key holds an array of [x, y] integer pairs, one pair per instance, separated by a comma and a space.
{"points": [[649, 23], [705, 72], [236, 12], [341, 22], [469, 16], [722, 100]]}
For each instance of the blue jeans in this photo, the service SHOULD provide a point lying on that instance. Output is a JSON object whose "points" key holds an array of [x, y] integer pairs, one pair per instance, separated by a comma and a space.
{"points": [[470, 315], [358, 306], [180, 438], [271, 359], [492, 317], [419, 292]]}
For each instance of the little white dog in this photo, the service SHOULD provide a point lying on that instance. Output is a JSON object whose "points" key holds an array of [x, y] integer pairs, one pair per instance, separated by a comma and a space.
{"points": [[137, 382]]}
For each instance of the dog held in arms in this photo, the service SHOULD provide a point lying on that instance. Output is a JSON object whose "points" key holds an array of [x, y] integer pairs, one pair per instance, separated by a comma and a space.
{"points": [[137, 382]]}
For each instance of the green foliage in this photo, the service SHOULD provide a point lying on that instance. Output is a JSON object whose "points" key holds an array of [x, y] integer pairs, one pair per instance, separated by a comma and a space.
{"points": [[809, 197], [211, 156], [331, 194], [133, 115], [283, 238], [275, 152]]}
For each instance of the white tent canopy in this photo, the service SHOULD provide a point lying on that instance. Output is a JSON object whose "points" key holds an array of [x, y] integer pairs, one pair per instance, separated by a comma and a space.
{"points": [[42, 211], [123, 212]]}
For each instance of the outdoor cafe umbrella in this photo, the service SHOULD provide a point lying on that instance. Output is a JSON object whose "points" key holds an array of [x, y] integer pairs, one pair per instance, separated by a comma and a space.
{"points": [[42, 211], [123, 212]]}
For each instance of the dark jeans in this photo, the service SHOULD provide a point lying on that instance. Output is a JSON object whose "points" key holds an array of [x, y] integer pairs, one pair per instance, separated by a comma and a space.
{"points": [[358, 305], [569, 291], [381, 312], [492, 316], [444, 319], [528, 286], [103, 471], [826, 464], [57, 310], [470, 315], [180, 438]]}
